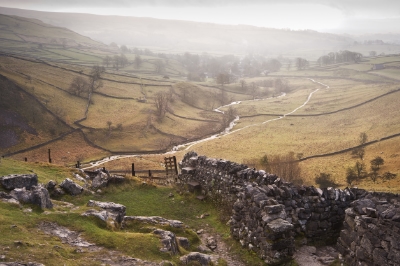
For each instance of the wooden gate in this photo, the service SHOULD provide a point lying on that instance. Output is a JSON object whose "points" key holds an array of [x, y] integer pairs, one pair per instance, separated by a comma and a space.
{"points": [[171, 167]]}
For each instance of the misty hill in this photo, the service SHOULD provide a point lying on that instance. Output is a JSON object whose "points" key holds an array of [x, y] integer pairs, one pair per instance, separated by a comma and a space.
{"points": [[173, 35], [22, 29]]}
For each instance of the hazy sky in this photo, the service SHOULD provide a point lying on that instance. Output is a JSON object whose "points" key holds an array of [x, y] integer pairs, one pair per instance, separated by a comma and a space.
{"points": [[295, 14]]}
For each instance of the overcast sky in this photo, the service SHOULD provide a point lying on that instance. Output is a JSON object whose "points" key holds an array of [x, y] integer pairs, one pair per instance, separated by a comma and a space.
{"points": [[318, 15]]}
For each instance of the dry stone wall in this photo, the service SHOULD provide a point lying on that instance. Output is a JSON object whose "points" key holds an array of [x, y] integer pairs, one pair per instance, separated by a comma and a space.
{"points": [[268, 214]]}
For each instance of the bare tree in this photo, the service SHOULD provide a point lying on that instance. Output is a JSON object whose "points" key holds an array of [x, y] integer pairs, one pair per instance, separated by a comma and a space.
{"points": [[363, 138], [78, 86], [161, 103], [242, 83], [358, 152], [159, 66], [301, 63], [222, 78], [109, 123], [377, 162], [287, 167], [116, 62], [138, 61], [228, 117], [107, 60], [95, 77], [253, 89]]}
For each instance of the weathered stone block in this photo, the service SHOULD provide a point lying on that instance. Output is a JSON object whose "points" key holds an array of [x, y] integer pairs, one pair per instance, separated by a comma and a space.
{"points": [[11, 182]]}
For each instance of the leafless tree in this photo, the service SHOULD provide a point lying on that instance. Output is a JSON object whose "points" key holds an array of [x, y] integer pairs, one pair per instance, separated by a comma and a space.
{"points": [[159, 66], [228, 117], [109, 123], [138, 61], [242, 83], [286, 166], [107, 60], [222, 78], [253, 89], [301, 63], [95, 77], [161, 103], [78, 86]]}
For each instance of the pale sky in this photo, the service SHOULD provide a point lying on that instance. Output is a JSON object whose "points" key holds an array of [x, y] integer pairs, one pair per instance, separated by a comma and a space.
{"points": [[320, 15]]}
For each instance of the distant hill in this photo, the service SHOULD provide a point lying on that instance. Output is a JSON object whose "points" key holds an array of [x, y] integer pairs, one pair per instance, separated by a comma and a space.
{"points": [[35, 31], [178, 36]]}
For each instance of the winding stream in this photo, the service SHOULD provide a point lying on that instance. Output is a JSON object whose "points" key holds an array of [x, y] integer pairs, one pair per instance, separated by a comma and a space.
{"points": [[226, 132]]}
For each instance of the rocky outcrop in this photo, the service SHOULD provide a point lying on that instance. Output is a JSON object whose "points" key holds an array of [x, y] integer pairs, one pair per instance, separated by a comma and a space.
{"points": [[154, 220], [71, 187], [38, 195], [168, 240], [101, 180], [112, 213], [202, 259], [11, 182]]}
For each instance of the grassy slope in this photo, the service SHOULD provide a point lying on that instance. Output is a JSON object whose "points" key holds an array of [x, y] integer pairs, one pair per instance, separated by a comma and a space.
{"points": [[135, 241]]}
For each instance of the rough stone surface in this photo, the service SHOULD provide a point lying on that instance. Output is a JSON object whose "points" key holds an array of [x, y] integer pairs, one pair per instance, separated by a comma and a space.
{"points": [[267, 212], [183, 242], [71, 187], [111, 210], [152, 220], [38, 195], [168, 240], [11, 182], [203, 259], [101, 180]]}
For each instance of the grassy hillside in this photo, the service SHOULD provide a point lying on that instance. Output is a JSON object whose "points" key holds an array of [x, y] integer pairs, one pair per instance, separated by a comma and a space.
{"points": [[322, 110], [22, 240]]}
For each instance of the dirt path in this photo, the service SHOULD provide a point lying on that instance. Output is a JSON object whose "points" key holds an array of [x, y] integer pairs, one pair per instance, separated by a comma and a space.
{"points": [[97, 253], [222, 250]]}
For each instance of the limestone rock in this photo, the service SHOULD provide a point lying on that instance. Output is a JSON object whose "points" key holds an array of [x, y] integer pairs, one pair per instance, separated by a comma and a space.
{"points": [[22, 195], [203, 259], [115, 210], [152, 220], [168, 240], [40, 196], [10, 182], [211, 243], [183, 242], [51, 185], [101, 180], [71, 187]]}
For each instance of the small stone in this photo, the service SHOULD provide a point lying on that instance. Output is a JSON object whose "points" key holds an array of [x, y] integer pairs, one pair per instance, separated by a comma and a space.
{"points": [[199, 232], [18, 243]]}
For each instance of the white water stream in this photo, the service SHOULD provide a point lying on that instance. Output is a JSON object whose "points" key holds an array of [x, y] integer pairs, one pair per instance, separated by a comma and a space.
{"points": [[226, 132]]}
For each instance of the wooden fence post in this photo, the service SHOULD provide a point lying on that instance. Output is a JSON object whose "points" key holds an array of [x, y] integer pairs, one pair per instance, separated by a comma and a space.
{"points": [[176, 167], [133, 169], [25, 159], [49, 156]]}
